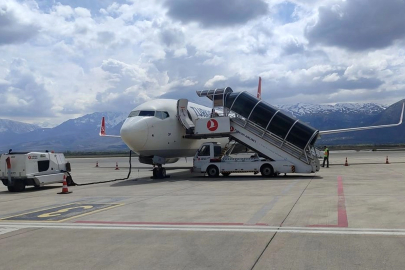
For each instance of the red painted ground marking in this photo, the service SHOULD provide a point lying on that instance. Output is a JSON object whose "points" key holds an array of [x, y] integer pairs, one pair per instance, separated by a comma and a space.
{"points": [[170, 223], [342, 215]]}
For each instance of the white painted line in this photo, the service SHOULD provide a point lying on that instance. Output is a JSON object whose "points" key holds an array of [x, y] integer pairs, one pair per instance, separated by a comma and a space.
{"points": [[254, 229], [6, 229]]}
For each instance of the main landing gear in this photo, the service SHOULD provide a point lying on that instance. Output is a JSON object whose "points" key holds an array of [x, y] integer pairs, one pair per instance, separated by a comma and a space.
{"points": [[159, 172]]}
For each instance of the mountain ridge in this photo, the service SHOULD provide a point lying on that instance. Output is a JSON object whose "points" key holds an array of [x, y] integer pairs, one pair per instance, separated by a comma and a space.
{"points": [[81, 134]]}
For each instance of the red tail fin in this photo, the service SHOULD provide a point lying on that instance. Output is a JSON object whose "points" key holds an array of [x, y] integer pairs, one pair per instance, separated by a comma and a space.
{"points": [[259, 89], [102, 128]]}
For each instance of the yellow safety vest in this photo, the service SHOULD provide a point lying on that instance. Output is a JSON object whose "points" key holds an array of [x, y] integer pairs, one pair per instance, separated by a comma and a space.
{"points": [[325, 154]]}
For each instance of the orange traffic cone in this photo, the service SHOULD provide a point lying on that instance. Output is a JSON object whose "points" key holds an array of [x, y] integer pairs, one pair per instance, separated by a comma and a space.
{"points": [[64, 188], [116, 166], [96, 164], [386, 161], [346, 164]]}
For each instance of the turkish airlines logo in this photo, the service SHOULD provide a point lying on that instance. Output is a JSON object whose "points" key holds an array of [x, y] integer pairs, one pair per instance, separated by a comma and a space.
{"points": [[212, 125]]}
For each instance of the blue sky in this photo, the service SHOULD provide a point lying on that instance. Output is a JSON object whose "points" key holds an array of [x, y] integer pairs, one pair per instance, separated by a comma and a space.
{"points": [[63, 59]]}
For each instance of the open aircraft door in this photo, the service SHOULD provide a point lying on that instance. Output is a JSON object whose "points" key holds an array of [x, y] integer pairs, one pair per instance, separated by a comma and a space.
{"points": [[183, 116]]}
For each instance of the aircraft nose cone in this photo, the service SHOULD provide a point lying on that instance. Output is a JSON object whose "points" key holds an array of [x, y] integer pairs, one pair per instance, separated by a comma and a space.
{"points": [[134, 132]]}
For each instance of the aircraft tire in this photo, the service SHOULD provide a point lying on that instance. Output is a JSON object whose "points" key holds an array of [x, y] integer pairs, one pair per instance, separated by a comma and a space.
{"points": [[212, 171]]}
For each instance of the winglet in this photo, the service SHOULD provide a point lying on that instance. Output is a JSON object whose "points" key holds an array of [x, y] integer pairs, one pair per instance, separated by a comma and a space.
{"points": [[102, 127], [402, 114], [259, 89]]}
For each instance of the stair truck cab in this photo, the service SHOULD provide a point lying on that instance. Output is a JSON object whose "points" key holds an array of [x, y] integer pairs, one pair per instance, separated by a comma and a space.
{"points": [[21, 169], [212, 159]]}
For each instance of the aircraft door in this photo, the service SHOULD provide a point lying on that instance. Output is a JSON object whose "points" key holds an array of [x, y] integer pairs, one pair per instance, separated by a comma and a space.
{"points": [[182, 115]]}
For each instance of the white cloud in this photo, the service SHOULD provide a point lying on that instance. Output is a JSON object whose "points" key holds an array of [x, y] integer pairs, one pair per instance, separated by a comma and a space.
{"points": [[82, 12], [217, 78], [83, 56], [215, 61], [331, 77]]}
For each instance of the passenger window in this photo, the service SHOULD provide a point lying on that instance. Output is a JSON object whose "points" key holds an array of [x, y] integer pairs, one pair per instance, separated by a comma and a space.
{"points": [[133, 114], [205, 151], [146, 113]]}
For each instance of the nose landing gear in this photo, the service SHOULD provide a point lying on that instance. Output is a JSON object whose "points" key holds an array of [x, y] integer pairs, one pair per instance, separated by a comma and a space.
{"points": [[159, 172]]}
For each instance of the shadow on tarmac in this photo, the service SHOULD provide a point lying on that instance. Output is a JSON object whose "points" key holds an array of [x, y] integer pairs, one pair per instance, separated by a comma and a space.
{"points": [[180, 176], [30, 189]]}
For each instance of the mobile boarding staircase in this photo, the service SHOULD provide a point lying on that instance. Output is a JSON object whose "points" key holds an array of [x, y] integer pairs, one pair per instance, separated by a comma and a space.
{"points": [[257, 125]]}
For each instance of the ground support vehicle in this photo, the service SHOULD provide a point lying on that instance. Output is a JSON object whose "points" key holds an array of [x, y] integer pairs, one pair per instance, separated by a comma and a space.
{"points": [[213, 160], [256, 125], [21, 169]]}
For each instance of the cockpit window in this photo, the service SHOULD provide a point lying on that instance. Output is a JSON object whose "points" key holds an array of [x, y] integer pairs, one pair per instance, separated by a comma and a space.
{"points": [[158, 114], [146, 113], [133, 114], [162, 115]]}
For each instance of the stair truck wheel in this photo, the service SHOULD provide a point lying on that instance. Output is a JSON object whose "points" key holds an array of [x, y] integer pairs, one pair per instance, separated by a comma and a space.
{"points": [[267, 170], [213, 171]]}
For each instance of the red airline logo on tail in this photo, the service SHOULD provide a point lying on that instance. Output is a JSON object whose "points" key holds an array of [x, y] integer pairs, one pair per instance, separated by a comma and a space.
{"points": [[102, 128], [259, 89]]}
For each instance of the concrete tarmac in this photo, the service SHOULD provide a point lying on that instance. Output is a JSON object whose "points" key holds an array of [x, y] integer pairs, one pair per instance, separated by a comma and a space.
{"points": [[343, 217]]}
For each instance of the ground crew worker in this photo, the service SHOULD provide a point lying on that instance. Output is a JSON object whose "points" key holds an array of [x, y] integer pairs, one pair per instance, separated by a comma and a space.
{"points": [[325, 156]]}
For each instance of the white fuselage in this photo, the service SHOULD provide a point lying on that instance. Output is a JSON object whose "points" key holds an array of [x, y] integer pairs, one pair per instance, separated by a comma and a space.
{"points": [[159, 135]]}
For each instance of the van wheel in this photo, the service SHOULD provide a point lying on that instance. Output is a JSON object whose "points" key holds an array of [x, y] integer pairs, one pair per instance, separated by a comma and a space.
{"points": [[212, 171], [266, 170], [17, 187], [226, 174]]}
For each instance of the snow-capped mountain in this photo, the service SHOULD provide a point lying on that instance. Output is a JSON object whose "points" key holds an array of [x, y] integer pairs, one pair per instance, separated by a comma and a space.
{"points": [[81, 134], [94, 119], [301, 109], [16, 127]]}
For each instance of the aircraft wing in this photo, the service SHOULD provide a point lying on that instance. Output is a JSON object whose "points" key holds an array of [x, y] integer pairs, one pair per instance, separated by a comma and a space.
{"points": [[325, 132], [102, 130]]}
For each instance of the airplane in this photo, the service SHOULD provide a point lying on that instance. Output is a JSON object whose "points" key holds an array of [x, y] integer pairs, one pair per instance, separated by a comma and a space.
{"points": [[154, 132]]}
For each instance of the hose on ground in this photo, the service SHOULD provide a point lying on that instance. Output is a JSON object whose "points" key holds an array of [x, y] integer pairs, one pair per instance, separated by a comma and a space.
{"points": [[107, 181]]}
